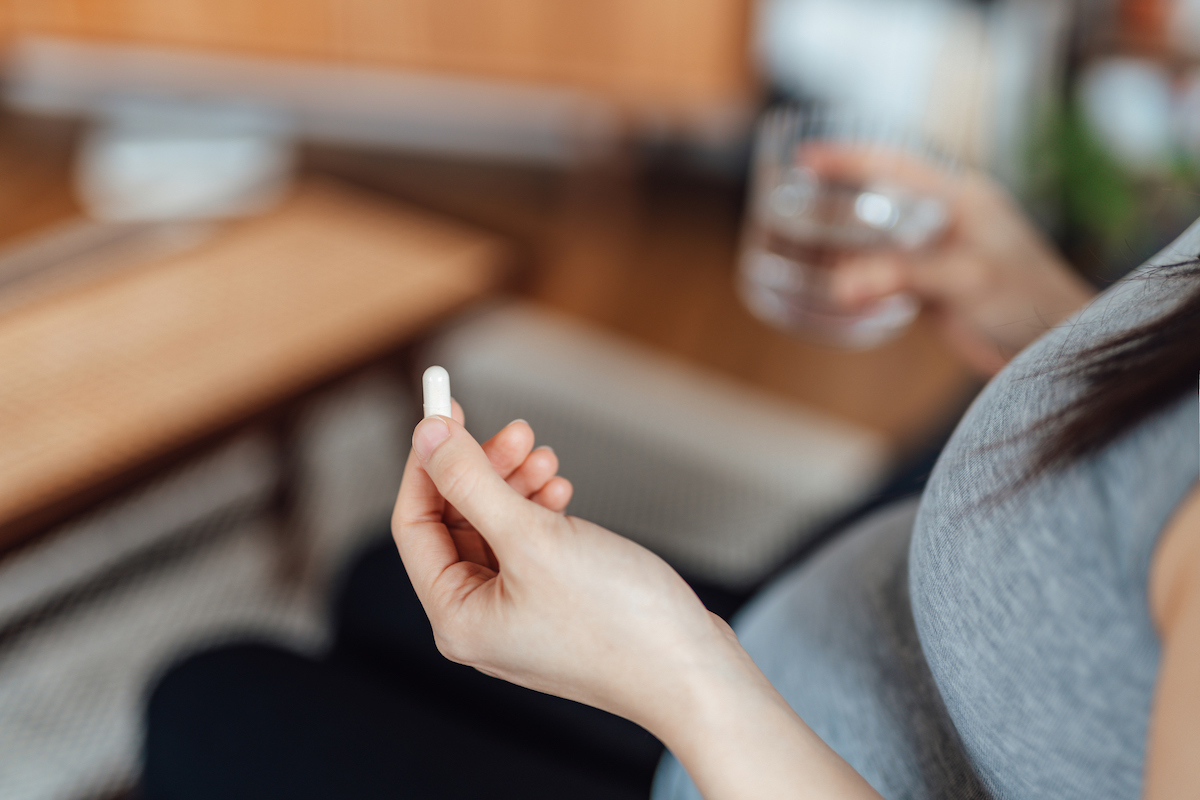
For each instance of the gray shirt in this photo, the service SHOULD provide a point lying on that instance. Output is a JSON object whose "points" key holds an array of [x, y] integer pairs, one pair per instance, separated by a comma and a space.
{"points": [[993, 643]]}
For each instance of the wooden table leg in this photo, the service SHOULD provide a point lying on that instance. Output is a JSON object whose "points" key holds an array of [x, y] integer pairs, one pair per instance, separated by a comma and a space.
{"points": [[285, 506]]}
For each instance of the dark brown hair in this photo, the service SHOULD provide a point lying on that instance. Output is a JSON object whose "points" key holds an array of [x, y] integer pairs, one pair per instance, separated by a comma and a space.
{"points": [[1127, 378]]}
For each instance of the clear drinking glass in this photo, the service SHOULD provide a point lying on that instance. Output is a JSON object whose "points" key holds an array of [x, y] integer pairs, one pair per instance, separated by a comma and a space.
{"points": [[800, 225]]}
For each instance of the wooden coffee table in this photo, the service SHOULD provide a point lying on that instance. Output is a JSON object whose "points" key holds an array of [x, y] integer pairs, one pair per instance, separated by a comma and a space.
{"points": [[105, 381]]}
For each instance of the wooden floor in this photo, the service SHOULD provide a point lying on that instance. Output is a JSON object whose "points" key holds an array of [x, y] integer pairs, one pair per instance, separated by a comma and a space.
{"points": [[644, 251], [650, 253]]}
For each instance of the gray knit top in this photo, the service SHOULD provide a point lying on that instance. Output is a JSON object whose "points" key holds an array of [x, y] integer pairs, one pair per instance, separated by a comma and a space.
{"points": [[993, 642], [1032, 609]]}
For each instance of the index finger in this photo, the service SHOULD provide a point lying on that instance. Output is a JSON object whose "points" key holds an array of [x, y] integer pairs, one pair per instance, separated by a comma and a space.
{"points": [[865, 162]]}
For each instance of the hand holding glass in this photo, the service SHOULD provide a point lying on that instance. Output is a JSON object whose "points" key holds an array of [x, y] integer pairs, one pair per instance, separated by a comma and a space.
{"points": [[802, 224]]}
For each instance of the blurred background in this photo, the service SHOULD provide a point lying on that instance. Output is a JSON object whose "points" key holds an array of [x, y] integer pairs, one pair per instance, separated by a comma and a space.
{"points": [[232, 234]]}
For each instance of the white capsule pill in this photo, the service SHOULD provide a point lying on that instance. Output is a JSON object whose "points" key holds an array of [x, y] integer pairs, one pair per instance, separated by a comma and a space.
{"points": [[436, 383]]}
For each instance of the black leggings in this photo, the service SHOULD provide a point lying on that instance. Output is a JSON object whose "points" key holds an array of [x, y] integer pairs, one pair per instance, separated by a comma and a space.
{"points": [[384, 715]]}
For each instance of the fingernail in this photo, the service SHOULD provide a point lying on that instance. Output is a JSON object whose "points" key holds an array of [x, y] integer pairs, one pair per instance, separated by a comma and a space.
{"points": [[429, 434], [515, 421], [545, 447]]}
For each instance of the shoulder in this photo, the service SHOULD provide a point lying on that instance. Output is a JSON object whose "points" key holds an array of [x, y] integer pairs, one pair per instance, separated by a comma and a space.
{"points": [[1175, 570], [1172, 769]]}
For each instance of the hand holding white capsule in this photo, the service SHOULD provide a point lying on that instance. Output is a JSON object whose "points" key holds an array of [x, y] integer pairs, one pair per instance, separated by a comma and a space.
{"points": [[531, 472], [436, 385]]}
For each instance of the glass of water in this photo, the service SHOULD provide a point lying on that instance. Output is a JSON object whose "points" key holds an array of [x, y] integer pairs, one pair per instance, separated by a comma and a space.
{"points": [[800, 225]]}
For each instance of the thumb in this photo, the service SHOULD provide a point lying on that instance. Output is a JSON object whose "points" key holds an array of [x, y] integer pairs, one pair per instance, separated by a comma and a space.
{"points": [[465, 477]]}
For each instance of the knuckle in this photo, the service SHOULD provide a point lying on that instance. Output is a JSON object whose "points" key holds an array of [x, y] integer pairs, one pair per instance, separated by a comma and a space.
{"points": [[449, 647], [457, 479]]}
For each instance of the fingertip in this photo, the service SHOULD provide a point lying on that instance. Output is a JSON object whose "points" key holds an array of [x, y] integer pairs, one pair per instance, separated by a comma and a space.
{"points": [[456, 411], [509, 448], [555, 495], [429, 433], [547, 457], [519, 426]]}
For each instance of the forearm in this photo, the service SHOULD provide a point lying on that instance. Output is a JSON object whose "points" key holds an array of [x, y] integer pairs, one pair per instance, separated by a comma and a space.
{"points": [[738, 738]]}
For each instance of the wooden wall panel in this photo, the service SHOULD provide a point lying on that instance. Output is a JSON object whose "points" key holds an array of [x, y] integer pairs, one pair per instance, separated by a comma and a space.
{"points": [[653, 50], [271, 27]]}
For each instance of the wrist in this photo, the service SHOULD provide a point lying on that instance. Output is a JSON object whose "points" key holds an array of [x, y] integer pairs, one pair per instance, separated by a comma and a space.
{"points": [[711, 688], [738, 738]]}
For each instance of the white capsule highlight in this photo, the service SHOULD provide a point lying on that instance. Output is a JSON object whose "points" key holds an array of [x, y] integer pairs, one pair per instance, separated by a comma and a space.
{"points": [[436, 383]]}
